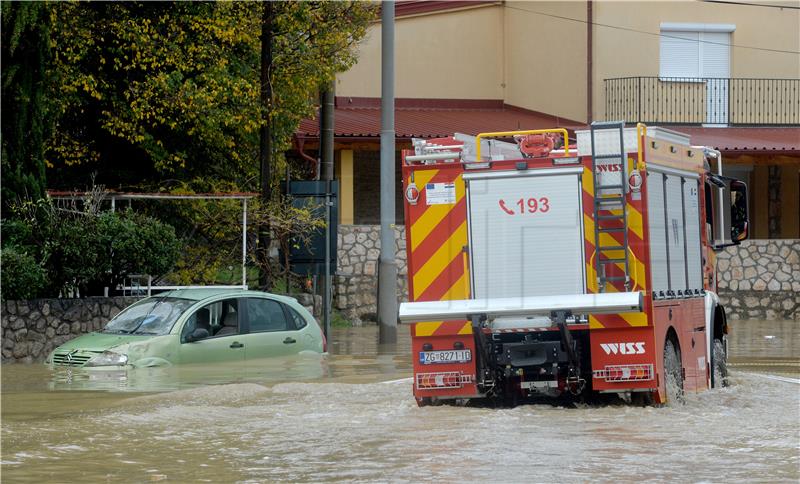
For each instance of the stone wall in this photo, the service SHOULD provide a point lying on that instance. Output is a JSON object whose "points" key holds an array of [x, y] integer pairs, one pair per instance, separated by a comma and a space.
{"points": [[32, 329], [356, 280], [760, 279]]}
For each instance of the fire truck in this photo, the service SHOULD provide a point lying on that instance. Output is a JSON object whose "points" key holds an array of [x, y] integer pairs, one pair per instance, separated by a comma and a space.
{"points": [[543, 269]]}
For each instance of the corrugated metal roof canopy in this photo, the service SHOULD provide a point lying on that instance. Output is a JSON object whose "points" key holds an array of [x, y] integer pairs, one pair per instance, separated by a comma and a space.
{"points": [[360, 118], [746, 140]]}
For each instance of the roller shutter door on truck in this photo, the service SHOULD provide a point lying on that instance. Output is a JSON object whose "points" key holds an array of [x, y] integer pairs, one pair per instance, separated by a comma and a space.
{"points": [[526, 233]]}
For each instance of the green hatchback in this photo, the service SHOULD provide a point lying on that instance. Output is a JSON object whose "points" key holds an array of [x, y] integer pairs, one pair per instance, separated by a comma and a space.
{"points": [[196, 326]]}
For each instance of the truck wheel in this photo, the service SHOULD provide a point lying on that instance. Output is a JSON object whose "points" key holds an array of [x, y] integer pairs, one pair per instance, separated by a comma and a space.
{"points": [[719, 365], [673, 381]]}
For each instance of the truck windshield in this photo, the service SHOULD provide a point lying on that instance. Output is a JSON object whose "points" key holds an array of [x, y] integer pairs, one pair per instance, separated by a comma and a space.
{"points": [[153, 316]]}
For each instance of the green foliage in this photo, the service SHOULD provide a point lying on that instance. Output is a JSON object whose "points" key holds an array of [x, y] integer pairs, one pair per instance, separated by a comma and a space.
{"points": [[82, 248], [22, 276], [339, 321], [25, 120], [174, 87]]}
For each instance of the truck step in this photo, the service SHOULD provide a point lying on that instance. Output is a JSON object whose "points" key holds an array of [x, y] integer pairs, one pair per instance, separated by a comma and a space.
{"points": [[610, 247], [611, 261]]}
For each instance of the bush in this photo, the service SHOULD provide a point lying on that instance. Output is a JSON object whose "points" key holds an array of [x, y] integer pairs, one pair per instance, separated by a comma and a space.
{"points": [[87, 249], [22, 276]]}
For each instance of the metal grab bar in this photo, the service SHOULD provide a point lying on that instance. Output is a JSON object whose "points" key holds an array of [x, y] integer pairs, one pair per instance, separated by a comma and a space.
{"points": [[512, 133], [641, 133]]}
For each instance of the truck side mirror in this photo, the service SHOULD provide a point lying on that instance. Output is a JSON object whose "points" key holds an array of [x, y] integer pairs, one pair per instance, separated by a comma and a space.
{"points": [[739, 217]]}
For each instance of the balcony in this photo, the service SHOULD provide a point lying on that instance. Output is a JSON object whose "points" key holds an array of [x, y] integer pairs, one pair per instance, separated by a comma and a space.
{"points": [[704, 101]]}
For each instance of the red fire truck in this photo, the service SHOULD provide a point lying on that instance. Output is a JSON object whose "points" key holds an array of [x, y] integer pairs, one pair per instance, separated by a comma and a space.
{"points": [[542, 269]]}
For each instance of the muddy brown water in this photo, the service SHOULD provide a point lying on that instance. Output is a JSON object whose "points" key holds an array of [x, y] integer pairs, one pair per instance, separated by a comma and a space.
{"points": [[350, 416]]}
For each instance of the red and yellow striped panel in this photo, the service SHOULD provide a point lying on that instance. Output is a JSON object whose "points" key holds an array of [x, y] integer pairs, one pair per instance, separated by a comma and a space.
{"points": [[637, 253], [442, 328], [436, 239]]}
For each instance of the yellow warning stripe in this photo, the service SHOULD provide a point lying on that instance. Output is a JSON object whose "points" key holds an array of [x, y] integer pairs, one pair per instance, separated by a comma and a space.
{"points": [[466, 329], [426, 328], [440, 259], [594, 323], [434, 214], [457, 290]]}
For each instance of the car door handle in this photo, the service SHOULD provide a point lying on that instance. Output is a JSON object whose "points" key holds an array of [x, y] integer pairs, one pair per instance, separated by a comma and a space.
{"points": [[236, 344], [289, 341]]}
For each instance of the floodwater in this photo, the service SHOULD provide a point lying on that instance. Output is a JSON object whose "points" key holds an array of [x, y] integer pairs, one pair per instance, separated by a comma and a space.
{"points": [[350, 416]]}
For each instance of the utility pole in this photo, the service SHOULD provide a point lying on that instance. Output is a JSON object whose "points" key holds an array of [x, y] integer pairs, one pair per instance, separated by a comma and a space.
{"points": [[387, 268], [265, 145], [326, 150]]}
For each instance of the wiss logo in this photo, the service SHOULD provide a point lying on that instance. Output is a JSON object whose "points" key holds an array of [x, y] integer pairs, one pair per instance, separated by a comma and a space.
{"points": [[623, 348]]}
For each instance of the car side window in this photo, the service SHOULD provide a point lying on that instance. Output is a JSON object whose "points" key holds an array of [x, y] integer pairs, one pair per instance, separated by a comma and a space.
{"points": [[299, 321], [266, 315], [201, 319], [225, 318]]}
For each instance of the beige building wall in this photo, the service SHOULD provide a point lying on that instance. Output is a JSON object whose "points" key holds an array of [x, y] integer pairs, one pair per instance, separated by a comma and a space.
{"points": [[546, 57], [445, 55], [624, 53]]}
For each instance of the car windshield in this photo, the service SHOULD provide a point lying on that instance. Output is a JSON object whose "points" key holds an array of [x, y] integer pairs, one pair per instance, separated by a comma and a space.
{"points": [[154, 316]]}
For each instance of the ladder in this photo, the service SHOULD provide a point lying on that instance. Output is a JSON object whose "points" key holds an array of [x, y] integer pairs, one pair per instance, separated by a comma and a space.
{"points": [[609, 195]]}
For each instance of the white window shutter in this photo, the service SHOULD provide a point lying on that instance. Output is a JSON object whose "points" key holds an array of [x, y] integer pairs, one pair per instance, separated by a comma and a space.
{"points": [[716, 54], [680, 54]]}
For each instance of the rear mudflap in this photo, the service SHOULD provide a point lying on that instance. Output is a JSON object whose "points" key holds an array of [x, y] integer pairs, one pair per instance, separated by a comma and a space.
{"points": [[444, 359]]}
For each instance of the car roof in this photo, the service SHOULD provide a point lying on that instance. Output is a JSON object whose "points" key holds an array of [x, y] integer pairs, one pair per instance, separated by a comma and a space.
{"points": [[199, 294]]}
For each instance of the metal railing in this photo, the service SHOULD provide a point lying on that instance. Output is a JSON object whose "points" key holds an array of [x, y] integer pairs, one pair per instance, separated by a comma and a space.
{"points": [[704, 101]]}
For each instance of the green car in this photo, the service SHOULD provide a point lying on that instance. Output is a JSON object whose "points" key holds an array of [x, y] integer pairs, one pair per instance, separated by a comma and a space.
{"points": [[196, 326]]}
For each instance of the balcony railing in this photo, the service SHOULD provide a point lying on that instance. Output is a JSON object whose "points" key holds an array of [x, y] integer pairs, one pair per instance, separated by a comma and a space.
{"points": [[704, 101]]}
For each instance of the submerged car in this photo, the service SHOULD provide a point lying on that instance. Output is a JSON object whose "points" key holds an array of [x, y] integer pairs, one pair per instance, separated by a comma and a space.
{"points": [[196, 326]]}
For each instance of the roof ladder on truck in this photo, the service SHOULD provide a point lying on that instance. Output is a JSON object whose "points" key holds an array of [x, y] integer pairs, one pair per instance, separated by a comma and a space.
{"points": [[609, 173]]}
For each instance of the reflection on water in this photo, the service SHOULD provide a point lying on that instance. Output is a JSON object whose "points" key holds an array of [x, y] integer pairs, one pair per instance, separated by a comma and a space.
{"points": [[350, 416]]}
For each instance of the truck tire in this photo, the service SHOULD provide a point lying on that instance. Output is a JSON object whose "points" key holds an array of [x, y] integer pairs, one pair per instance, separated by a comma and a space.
{"points": [[719, 365], [673, 379]]}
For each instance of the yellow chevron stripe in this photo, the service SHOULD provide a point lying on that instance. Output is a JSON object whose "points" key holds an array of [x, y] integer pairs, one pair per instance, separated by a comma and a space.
{"points": [[433, 214], [635, 221], [637, 267], [426, 328], [440, 259], [635, 319], [466, 329], [457, 290], [588, 184], [594, 323]]}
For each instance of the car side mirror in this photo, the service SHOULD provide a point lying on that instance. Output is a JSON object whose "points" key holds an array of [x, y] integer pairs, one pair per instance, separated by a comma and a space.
{"points": [[197, 334]]}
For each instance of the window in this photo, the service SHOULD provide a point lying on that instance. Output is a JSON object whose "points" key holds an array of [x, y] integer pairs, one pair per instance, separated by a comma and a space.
{"points": [[220, 318], [299, 321], [266, 315], [695, 50]]}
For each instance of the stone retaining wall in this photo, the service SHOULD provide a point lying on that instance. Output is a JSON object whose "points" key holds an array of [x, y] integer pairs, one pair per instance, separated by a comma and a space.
{"points": [[760, 279], [356, 282], [32, 329]]}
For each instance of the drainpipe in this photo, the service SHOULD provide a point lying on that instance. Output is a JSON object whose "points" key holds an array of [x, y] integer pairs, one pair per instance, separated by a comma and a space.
{"points": [[589, 59]]}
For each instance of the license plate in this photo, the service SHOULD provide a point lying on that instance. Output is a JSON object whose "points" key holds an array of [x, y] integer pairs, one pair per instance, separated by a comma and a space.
{"points": [[446, 356]]}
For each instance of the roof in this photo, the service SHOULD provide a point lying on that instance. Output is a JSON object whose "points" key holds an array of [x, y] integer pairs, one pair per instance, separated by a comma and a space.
{"points": [[360, 119], [415, 7], [737, 140], [201, 293]]}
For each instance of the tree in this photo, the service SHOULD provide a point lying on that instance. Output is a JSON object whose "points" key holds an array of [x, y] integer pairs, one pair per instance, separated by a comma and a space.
{"points": [[25, 127], [155, 90]]}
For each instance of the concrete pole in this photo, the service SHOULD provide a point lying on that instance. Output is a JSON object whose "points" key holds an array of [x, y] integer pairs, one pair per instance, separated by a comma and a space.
{"points": [[387, 269]]}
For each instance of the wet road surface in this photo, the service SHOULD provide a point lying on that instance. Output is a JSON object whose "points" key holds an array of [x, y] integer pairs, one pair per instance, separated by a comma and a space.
{"points": [[350, 416]]}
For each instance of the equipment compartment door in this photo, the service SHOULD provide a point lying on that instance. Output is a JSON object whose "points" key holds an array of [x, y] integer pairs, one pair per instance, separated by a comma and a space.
{"points": [[526, 233]]}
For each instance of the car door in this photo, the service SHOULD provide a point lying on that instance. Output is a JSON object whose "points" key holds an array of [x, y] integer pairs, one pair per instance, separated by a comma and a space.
{"points": [[270, 331], [225, 340]]}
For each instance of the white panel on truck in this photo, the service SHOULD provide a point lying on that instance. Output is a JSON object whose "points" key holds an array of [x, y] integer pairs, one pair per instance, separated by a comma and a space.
{"points": [[692, 215], [658, 237], [675, 233], [526, 233]]}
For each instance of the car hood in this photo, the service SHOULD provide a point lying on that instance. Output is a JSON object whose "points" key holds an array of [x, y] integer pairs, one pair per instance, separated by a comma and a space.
{"points": [[99, 342]]}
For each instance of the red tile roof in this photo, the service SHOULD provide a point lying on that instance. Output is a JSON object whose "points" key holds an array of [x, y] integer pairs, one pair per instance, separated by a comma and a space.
{"points": [[414, 7], [360, 119], [746, 140]]}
